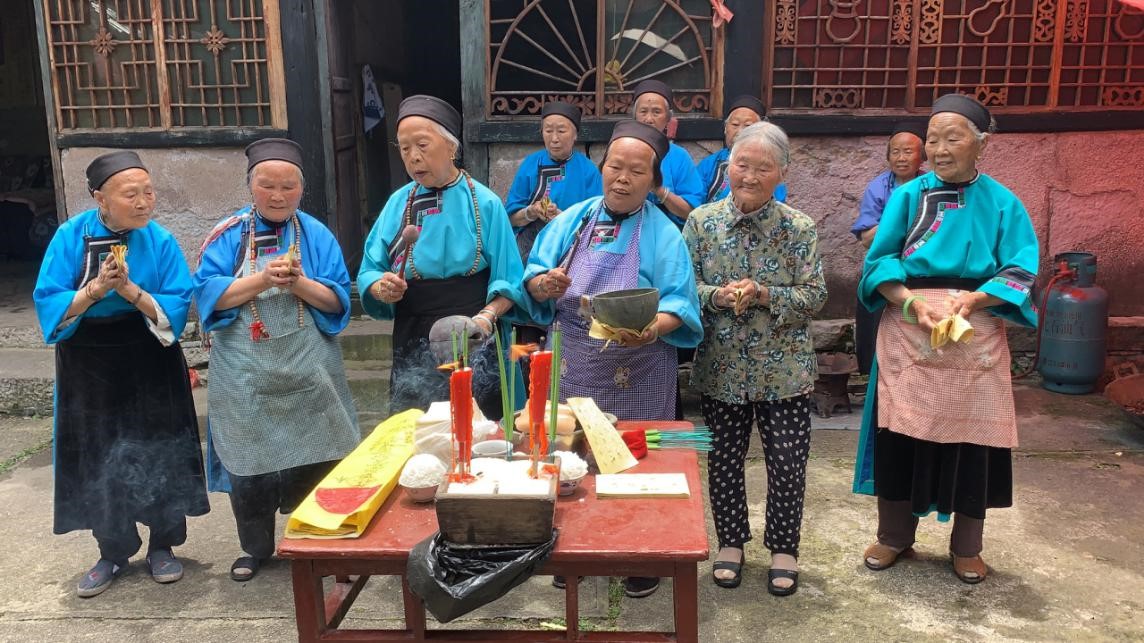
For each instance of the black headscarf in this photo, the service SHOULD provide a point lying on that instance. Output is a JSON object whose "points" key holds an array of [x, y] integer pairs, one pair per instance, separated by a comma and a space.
{"points": [[966, 106], [560, 108], [434, 109], [655, 139], [652, 86], [273, 149], [750, 102], [108, 165]]}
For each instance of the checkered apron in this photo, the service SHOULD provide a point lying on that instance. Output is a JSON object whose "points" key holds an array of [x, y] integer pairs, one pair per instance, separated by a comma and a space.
{"points": [[957, 393], [280, 402], [633, 383]]}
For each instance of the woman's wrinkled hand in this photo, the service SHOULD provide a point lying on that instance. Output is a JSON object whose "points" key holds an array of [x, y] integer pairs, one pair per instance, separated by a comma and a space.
{"points": [[550, 285], [111, 276], [740, 295], [633, 339], [928, 317], [966, 303], [281, 273], [390, 289]]}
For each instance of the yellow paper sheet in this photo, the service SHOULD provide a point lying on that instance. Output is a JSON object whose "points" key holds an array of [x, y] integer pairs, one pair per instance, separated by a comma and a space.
{"points": [[600, 330], [612, 455], [377, 461], [642, 485], [953, 328]]}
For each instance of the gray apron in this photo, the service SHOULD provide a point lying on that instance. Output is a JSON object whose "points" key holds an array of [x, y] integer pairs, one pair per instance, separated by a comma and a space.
{"points": [[283, 401]]}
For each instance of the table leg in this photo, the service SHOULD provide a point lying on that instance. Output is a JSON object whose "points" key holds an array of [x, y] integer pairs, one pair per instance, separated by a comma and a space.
{"points": [[572, 607], [414, 611], [309, 601], [686, 596]]}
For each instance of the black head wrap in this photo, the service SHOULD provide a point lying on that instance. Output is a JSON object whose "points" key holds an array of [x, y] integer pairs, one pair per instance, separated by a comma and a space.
{"points": [[916, 128], [966, 106], [434, 109], [750, 102], [655, 139], [652, 86], [273, 149], [560, 108], [108, 165]]}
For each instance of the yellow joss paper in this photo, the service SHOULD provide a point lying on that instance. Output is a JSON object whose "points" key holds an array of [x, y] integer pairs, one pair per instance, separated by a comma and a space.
{"points": [[291, 255], [119, 251], [953, 328], [600, 330], [344, 503]]}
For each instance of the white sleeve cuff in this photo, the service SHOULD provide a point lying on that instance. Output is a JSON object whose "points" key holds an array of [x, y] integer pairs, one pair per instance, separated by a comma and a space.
{"points": [[161, 329]]}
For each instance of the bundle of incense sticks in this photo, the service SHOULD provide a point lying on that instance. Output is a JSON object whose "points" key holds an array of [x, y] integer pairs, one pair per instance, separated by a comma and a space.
{"points": [[556, 336], [507, 372], [539, 378]]}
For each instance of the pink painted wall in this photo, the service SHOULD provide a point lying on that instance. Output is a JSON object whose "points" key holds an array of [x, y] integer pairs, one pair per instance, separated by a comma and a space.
{"points": [[1083, 191]]}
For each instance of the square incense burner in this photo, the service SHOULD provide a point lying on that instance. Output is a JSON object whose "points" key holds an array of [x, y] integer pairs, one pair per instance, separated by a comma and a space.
{"points": [[516, 514]]}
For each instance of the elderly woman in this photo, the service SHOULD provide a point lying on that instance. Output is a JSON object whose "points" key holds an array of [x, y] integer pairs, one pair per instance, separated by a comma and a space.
{"points": [[939, 423], [904, 155], [619, 242], [743, 112], [442, 250], [680, 189], [273, 291], [760, 282], [550, 180], [112, 296]]}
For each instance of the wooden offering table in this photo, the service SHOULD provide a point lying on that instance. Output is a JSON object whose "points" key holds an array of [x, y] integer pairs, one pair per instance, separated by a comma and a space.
{"points": [[664, 537]]}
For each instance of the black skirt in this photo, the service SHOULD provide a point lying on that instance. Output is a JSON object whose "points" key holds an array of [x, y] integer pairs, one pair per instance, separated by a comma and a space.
{"points": [[947, 478], [126, 433]]}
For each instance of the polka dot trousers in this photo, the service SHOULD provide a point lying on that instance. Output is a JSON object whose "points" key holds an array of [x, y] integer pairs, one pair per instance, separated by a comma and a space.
{"points": [[784, 427]]}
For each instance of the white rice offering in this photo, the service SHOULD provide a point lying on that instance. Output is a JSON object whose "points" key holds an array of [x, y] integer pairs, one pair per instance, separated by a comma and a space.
{"points": [[490, 468], [572, 466], [422, 470]]}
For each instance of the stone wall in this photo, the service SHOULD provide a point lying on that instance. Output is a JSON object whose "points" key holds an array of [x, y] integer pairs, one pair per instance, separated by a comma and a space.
{"points": [[1083, 190], [194, 187]]}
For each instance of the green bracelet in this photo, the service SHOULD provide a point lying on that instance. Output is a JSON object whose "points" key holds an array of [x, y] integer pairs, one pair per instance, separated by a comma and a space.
{"points": [[910, 319]]}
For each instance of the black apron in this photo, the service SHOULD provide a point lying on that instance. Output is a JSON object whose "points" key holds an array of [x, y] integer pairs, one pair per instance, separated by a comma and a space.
{"points": [[126, 432], [414, 381]]}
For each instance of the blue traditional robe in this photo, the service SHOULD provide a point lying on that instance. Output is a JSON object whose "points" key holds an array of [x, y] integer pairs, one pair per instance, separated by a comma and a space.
{"points": [[154, 259], [681, 179], [565, 183], [446, 246], [978, 230], [664, 263], [246, 436], [320, 256], [873, 202], [713, 174]]}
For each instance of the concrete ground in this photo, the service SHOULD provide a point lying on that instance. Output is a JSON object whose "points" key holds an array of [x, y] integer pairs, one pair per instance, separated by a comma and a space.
{"points": [[1067, 561]]}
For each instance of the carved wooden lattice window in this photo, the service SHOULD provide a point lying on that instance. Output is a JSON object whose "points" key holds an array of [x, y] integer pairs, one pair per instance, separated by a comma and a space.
{"points": [[871, 56], [591, 53], [166, 63]]}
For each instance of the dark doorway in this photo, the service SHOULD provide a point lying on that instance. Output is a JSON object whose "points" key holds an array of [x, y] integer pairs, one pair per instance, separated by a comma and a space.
{"points": [[410, 48], [27, 193]]}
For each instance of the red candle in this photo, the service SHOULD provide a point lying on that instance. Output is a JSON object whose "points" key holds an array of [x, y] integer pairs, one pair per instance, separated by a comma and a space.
{"points": [[539, 378], [461, 401]]}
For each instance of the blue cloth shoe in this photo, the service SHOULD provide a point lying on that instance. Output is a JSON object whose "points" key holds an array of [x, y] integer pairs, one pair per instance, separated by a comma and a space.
{"points": [[165, 568], [99, 578]]}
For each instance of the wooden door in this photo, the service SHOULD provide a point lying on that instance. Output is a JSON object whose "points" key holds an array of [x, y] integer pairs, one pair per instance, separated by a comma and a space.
{"points": [[345, 107]]}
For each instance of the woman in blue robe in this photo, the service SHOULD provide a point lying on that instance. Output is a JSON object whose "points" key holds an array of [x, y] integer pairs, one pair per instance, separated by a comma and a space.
{"points": [[939, 425], [440, 260], [550, 180], [744, 110], [126, 441], [273, 292], [680, 191], [905, 153], [619, 242]]}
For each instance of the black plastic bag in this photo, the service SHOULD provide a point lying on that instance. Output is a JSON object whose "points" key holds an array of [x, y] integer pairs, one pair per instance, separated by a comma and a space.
{"points": [[455, 580]]}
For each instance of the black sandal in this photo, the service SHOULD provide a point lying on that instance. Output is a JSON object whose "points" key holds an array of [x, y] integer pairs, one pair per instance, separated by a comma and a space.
{"points": [[244, 568], [726, 565], [775, 574]]}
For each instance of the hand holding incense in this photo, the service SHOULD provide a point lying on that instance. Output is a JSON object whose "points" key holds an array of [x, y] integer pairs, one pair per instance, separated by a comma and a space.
{"points": [[408, 237]]}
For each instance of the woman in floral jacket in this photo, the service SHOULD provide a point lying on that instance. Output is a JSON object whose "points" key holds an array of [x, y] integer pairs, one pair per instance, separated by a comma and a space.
{"points": [[760, 281]]}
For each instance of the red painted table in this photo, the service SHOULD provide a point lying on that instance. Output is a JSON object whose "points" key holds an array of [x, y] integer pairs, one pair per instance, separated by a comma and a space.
{"points": [[664, 537]]}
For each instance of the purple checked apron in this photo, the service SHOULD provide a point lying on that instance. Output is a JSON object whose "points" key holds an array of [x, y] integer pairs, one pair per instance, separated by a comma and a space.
{"points": [[632, 383]]}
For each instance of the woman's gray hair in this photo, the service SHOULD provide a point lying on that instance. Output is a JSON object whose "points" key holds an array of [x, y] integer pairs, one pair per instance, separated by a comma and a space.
{"points": [[447, 135], [978, 134], [250, 176], [772, 137]]}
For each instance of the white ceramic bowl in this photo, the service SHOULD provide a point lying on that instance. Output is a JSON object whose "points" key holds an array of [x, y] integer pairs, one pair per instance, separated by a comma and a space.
{"points": [[421, 494], [492, 449], [568, 487]]}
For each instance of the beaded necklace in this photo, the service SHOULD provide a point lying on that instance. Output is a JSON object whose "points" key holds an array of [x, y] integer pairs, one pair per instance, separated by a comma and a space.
{"points": [[258, 330], [408, 220]]}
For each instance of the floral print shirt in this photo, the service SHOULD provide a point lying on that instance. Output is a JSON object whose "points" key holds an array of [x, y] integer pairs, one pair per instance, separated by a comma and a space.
{"points": [[765, 354]]}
